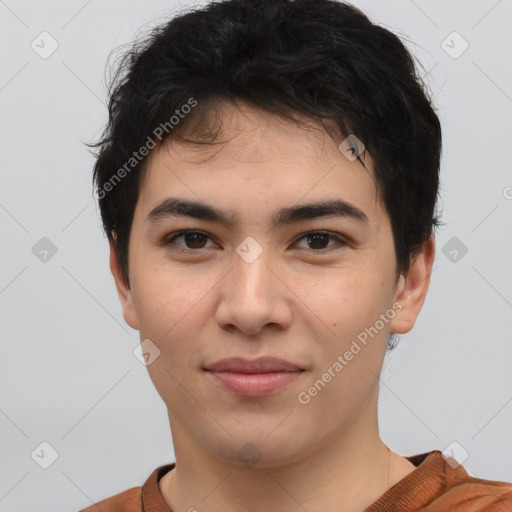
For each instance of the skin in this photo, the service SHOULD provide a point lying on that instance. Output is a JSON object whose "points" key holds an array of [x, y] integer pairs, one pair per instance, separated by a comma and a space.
{"points": [[302, 302]]}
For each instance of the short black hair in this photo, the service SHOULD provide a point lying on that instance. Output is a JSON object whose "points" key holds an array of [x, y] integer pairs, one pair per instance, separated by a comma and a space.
{"points": [[322, 59]]}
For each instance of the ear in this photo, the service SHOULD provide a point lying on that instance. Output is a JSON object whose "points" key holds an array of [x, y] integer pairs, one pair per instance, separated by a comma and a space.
{"points": [[412, 289], [123, 290]]}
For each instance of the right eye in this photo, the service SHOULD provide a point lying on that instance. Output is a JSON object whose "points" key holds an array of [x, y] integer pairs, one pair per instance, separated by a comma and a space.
{"points": [[195, 239]]}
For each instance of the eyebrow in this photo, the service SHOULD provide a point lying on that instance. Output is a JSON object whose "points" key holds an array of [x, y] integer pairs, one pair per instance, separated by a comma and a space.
{"points": [[177, 207]]}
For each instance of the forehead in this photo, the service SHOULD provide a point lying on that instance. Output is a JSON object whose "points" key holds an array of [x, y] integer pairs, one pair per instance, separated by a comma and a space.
{"points": [[259, 158], [246, 132]]}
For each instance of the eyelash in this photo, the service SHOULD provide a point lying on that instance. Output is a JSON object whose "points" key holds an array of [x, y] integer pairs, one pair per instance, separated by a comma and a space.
{"points": [[170, 240]]}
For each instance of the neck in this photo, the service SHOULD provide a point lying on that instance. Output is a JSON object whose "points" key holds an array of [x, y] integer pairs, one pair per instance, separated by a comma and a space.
{"points": [[348, 473]]}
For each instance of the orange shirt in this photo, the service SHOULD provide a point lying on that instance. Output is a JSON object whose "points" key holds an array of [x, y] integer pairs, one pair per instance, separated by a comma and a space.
{"points": [[434, 486]]}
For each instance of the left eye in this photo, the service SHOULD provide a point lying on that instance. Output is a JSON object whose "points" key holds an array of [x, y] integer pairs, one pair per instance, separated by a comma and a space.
{"points": [[196, 240], [316, 238]]}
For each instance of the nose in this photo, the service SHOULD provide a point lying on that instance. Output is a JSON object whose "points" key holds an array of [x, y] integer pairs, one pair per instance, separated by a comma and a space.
{"points": [[253, 295]]}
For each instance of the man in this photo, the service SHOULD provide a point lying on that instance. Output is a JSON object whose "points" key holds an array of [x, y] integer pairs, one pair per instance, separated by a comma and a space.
{"points": [[268, 183]]}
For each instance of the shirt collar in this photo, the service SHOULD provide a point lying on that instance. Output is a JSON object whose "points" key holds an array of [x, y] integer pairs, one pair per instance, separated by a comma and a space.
{"points": [[428, 476]]}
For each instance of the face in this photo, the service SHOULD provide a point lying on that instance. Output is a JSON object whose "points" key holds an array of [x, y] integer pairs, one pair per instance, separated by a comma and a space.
{"points": [[306, 286]]}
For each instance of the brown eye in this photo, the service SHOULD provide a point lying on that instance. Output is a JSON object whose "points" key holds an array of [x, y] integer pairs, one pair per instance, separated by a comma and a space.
{"points": [[194, 240], [318, 240]]}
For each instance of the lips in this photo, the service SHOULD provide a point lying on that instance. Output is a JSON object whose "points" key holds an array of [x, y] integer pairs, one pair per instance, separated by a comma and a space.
{"points": [[261, 377], [260, 365]]}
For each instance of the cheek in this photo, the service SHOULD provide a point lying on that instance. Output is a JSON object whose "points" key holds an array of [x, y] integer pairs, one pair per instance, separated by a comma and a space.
{"points": [[172, 307], [171, 314], [350, 308], [344, 299], [349, 305]]}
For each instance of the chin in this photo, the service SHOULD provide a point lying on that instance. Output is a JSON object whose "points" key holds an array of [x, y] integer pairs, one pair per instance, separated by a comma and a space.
{"points": [[251, 448]]}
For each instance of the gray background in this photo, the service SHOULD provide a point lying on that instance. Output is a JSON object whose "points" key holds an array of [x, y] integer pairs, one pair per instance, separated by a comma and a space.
{"points": [[68, 373]]}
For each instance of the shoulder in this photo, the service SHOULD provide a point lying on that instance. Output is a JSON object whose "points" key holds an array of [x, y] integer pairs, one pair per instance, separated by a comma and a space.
{"points": [[453, 489], [467, 493], [133, 499], [126, 501], [440, 484]]}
